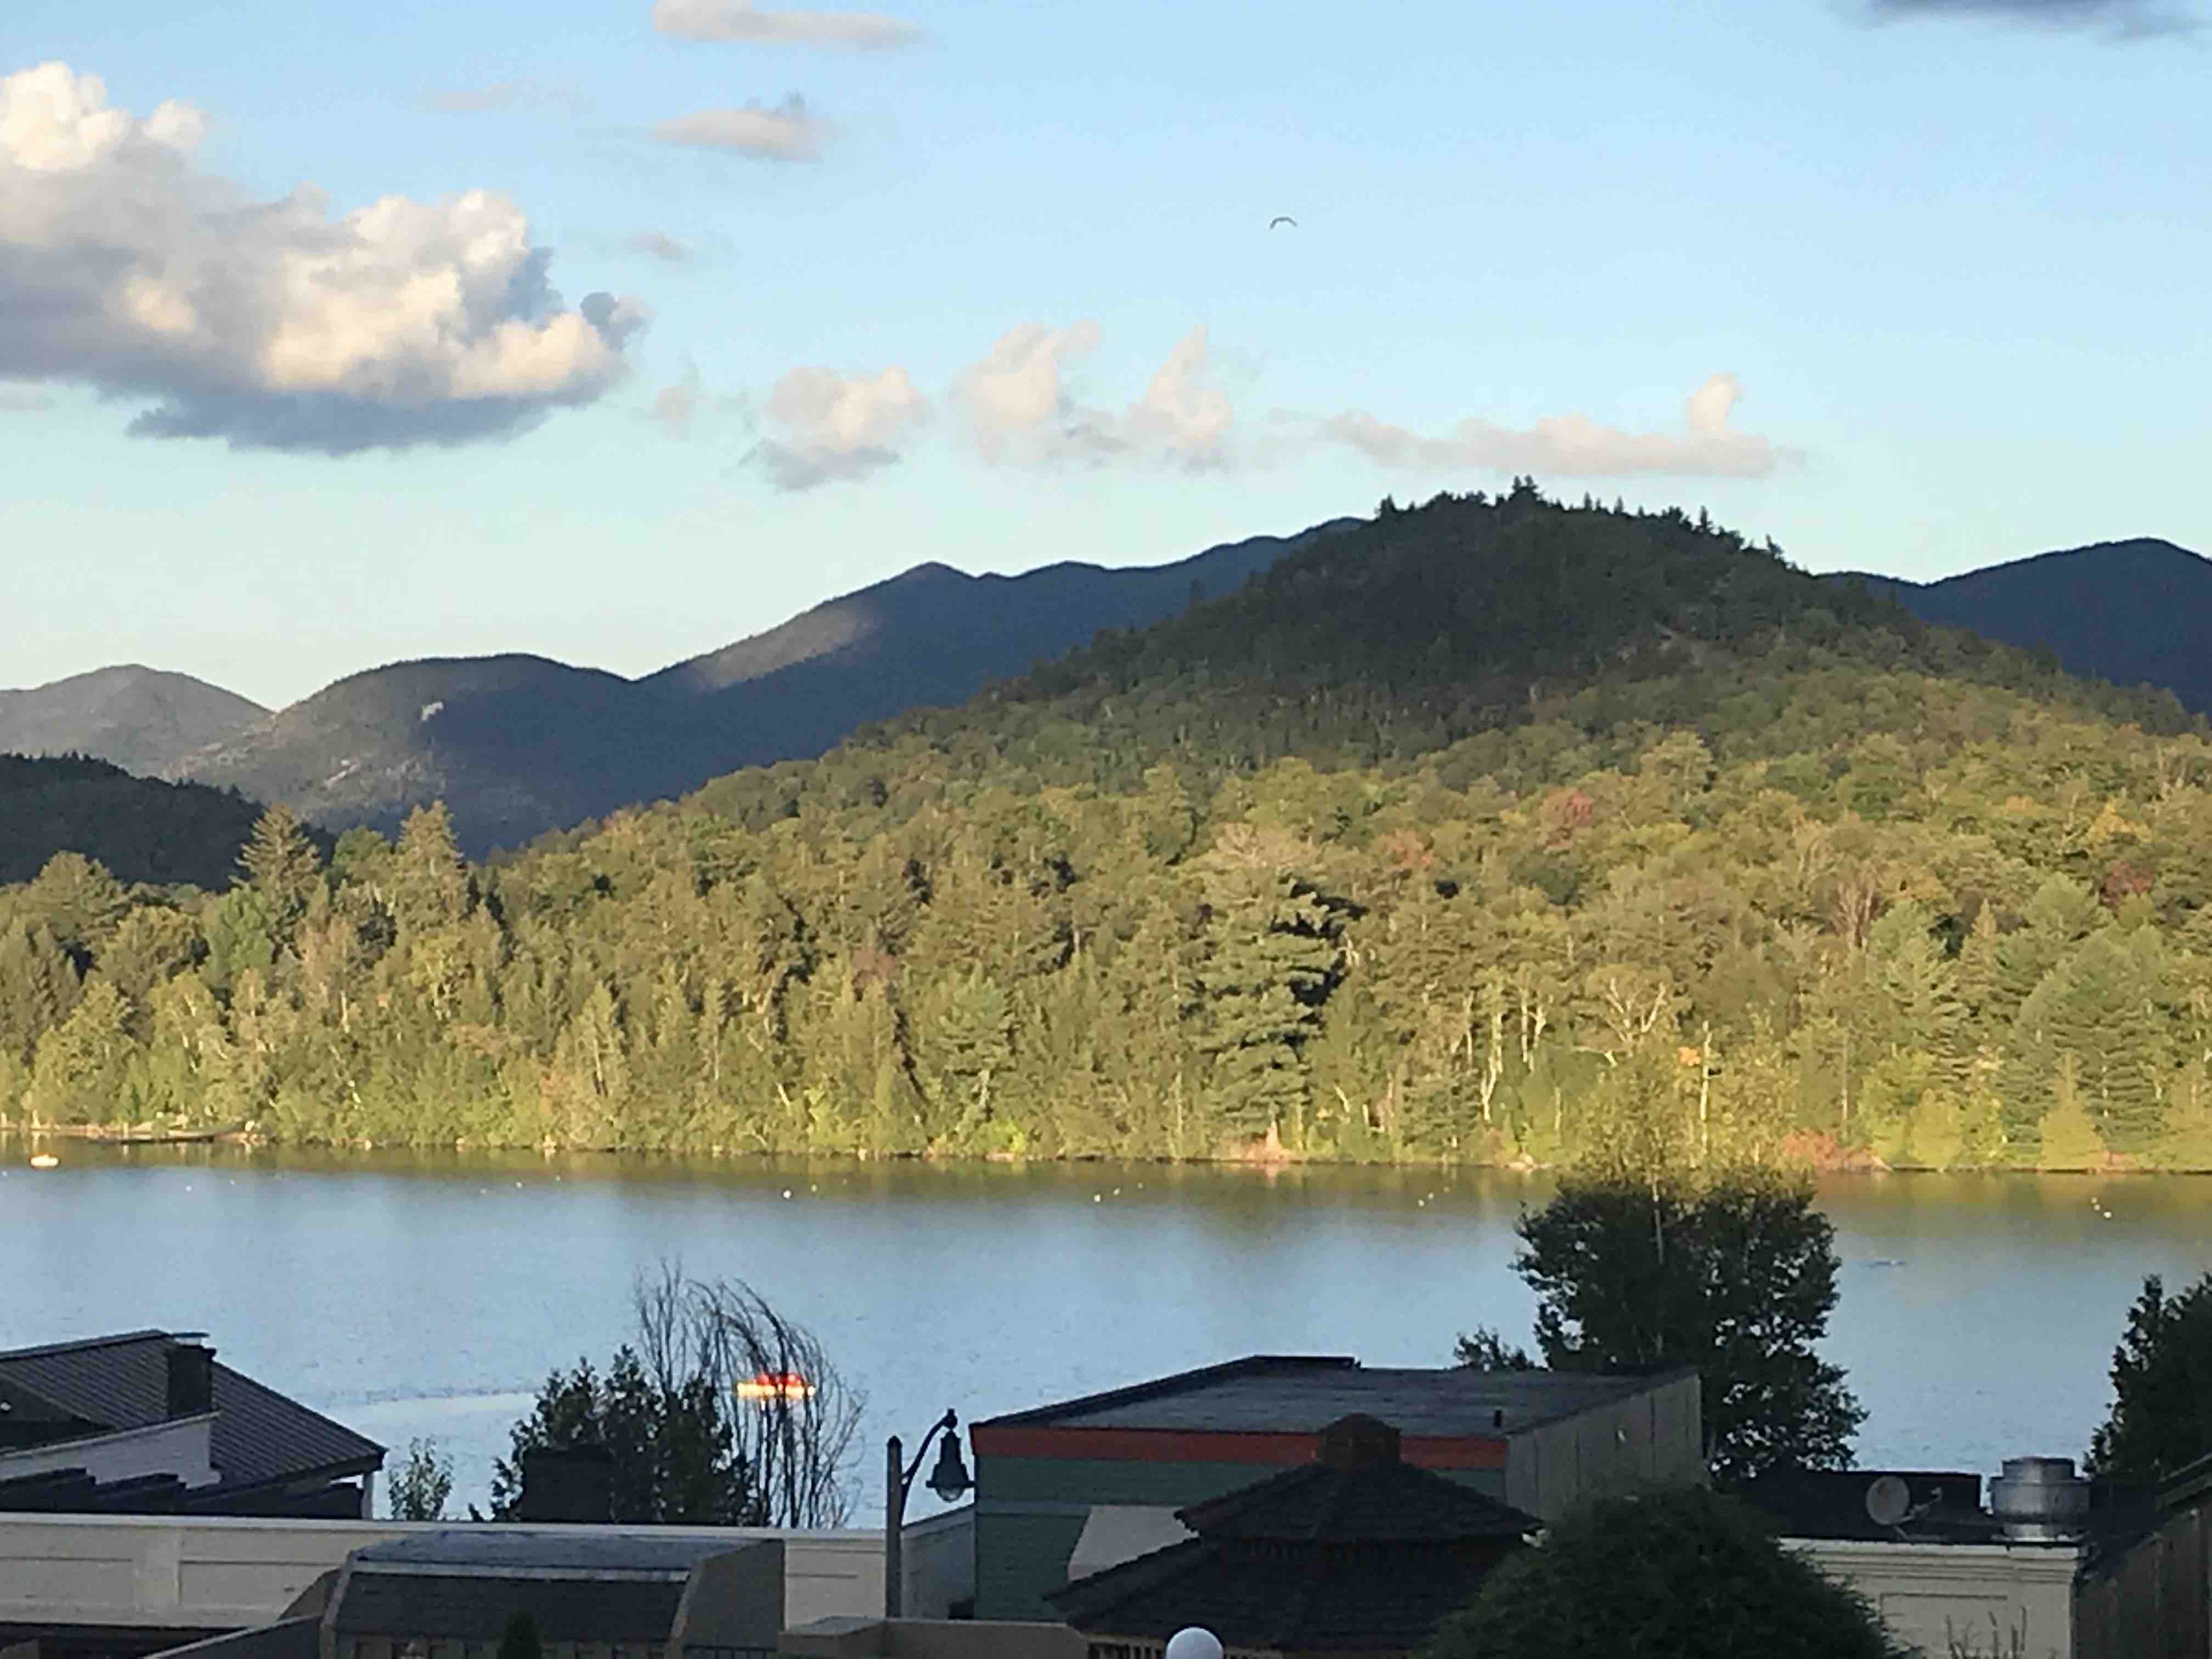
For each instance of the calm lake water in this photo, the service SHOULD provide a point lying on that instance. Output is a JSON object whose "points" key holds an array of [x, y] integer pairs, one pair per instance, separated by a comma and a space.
{"points": [[427, 1296]]}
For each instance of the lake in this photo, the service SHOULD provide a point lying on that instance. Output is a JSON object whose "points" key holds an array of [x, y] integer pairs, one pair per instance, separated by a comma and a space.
{"points": [[429, 1295]]}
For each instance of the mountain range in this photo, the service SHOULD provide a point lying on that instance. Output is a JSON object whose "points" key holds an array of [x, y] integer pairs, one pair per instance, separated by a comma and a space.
{"points": [[519, 746]]}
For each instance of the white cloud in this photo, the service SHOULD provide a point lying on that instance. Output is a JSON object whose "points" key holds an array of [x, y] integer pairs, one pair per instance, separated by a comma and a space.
{"points": [[787, 133], [739, 20], [1179, 415], [829, 427], [1573, 446], [125, 267], [1017, 410], [2125, 19], [1015, 407]]}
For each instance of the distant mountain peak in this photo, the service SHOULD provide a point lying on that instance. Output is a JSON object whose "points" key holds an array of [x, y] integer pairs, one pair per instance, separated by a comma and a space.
{"points": [[140, 718]]}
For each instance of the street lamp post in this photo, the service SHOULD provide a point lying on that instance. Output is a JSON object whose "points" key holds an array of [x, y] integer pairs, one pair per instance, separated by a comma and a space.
{"points": [[949, 1479]]}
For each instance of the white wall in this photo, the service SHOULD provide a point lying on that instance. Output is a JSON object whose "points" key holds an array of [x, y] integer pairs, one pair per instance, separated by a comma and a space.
{"points": [[181, 1446], [226, 1573], [1919, 1588]]}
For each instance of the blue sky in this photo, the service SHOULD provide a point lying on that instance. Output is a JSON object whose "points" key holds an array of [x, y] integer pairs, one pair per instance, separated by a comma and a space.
{"points": [[947, 305]]}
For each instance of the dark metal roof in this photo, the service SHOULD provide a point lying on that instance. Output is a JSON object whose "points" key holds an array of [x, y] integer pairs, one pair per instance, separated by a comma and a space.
{"points": [[556, 1550], [287, 1639], [1292, 1394], [260, 1437], [476, 1607], [1388, 1502], [1334, 1601]]}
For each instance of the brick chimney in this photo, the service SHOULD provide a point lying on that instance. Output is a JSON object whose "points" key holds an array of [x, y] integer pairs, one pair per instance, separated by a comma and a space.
{"points": [[575, 1482], [192, 1375]]}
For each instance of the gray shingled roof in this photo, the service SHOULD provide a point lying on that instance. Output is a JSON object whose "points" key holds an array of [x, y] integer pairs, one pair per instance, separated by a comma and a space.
{"points": [[121, 1383], [1291, 1394], [556, 1550]]}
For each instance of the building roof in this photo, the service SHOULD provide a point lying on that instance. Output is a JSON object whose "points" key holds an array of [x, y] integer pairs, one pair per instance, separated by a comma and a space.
{"points": [[259, 1436], [562, 1551], [1355, 1550], [475, 1608], [1371, 1600], [1302, 1394], [1945, 1505]]}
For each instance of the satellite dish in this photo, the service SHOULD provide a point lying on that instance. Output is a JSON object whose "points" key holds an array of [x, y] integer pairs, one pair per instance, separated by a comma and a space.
{"points": [[1193, 1644], [1888, 1501]]}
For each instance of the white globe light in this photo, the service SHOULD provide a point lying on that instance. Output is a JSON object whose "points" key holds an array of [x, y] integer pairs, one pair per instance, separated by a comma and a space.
{"points": [[1193, 1644]]}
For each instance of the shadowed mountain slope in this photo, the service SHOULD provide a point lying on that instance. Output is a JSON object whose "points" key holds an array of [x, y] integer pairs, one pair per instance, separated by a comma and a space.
{"points": [[519, 746], [2134, 612], [139, 828], [136, 718]]}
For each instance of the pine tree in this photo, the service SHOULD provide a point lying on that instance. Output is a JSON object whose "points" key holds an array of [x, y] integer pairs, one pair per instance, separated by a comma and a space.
{"points": [[281, 865]]}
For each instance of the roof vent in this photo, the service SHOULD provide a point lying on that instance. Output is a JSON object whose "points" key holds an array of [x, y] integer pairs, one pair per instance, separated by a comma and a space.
{"points": [[2041, 1500]]}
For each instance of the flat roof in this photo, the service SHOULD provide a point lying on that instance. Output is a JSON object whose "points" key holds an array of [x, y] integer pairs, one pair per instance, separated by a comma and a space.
{"points": [[560, 1550], [1288, 1394]]}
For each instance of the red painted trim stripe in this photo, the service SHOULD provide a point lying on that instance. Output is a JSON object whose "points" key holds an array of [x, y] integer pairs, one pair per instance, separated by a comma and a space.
{"points": [[1211, 1446]]}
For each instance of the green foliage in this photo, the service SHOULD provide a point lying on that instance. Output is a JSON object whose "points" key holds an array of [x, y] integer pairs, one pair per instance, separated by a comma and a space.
{"points": [[1735, 1276], [1487, 830], [519, 1639], [142, 830], [419, 1490], [1484, 1349], [674, 1451], [2161, 1415], [1678, 1574]]}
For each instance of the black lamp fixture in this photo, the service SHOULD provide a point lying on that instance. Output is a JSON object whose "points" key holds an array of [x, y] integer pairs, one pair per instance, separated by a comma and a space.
{"points": [[948, 1480]]}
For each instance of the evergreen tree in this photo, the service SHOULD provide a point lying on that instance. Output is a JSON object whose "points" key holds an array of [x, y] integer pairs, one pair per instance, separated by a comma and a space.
{"points": [[2161, 1416]]}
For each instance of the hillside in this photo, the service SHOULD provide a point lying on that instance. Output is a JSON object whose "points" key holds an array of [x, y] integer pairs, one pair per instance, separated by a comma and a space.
{"points": [[142, 830], [1493, 830], [2133, 612], [139, 719], [517, 746]]}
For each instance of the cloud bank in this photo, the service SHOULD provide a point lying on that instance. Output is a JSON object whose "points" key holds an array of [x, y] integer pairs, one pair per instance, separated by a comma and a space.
{"points": [[1573, 446], [788, 132], [271, 324], [739, 20], [1018, 411], [2126, 18]]}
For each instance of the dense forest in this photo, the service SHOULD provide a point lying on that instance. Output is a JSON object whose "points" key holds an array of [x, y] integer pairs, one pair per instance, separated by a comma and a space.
{"points": [[141, 829], [1493, 829]]}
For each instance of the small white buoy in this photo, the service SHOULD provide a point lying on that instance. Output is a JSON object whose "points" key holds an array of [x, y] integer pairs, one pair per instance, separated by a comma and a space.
{"points": [[44, 1161], [787, 1192]]}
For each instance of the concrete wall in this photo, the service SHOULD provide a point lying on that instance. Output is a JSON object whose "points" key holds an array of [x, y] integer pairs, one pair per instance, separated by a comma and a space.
{"points": [[181, 1446], [919, 1638], [1924, 1591], [227, 1572], [1653, 1438], [733, 1600]]}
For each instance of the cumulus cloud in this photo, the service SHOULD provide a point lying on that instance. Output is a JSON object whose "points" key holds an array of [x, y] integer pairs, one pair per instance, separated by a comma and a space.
{"points": [[740, 19], [2118, 17], [1017, 410], [828, 428], [506, 94], [125, 267], [1573, 446], [662, 246], [788, 132]]}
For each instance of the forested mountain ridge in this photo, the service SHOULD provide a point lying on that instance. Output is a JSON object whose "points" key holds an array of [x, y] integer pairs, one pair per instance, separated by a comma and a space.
{"points": [[140, 829], [518, 745], [1493, 829], [2135, 613], [136, 718]]}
